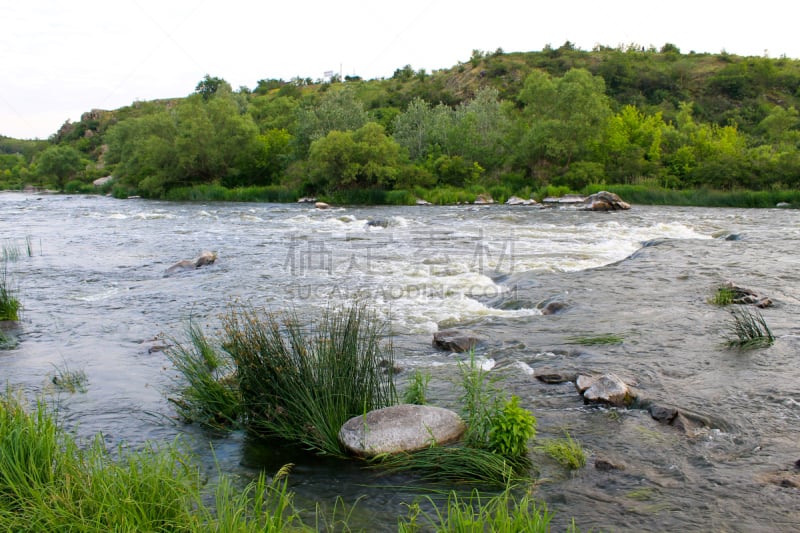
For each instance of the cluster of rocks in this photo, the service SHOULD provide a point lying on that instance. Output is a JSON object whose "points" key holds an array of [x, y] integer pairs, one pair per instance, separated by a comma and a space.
{"points": [[599, 201], [744, 296]]}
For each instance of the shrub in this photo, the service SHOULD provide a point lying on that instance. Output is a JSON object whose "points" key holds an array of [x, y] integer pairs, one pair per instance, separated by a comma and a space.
{"points": [[511, 429]]}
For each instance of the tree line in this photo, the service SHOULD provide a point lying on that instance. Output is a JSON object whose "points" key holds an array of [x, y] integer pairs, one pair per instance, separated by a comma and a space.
{"points": [[503, 123]]}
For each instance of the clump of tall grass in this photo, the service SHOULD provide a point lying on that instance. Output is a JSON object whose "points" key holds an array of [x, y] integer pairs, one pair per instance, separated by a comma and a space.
{"points": [[566, 451], [500, 512], [9, 304], [208, 393], [748, 330], [302, 383], [68, 380], [417, 388]]}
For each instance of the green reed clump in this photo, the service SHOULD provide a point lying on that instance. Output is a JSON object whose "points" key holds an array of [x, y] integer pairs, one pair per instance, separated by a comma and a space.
{"points": [[723, 296], [417, 388], [68, 380], [748, 330], [477, 513], [208, 393], [9, 304], [566, 451], [303, 383]]}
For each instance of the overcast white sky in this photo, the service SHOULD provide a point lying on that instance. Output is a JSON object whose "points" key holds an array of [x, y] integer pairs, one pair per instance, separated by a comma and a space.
{"points": [[59, 59]]}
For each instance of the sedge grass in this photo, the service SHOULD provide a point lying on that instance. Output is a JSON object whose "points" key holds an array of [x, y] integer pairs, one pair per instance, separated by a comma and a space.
{"points": [[748, 330], [9, 304], [303, 383], [68, 380], [207, 392]]}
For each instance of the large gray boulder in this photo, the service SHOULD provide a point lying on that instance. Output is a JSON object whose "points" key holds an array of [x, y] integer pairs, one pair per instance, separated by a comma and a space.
{"points": [[605, 201], [400, 428]]}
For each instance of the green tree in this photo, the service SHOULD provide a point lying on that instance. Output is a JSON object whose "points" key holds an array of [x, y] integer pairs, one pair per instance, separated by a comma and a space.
{"points": [[365, 158], [60, 164], [338, 110], [563, 117], [632, 143], [210, 85]]}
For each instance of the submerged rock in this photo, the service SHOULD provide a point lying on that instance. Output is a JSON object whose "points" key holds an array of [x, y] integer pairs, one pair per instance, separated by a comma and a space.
{"points": [[605, 464], [453, 340], [400, 428], [378, 223], [552, 307], [205, 258]]}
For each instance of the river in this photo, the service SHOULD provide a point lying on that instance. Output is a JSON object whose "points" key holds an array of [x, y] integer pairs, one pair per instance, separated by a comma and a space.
{"points": [[96, 299]]}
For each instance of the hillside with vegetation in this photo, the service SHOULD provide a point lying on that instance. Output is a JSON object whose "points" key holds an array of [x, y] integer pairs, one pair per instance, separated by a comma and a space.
{"points": [[499, 123]]}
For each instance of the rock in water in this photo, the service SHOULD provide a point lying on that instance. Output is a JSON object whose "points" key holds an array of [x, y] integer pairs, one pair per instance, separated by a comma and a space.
{"points": [[607, 389], [321, 205], [605, 201], [453, 340], [205, 258], [400, 428]]}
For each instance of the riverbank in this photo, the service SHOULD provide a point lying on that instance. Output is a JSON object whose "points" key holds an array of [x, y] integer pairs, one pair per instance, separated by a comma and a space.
{"points": [[634, 194]]}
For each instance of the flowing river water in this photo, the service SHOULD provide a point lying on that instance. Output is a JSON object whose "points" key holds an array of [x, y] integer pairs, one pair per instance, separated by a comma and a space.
{"points": [[96, 299]]}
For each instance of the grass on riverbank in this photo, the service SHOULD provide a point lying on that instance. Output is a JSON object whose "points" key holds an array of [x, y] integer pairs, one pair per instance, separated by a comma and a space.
{"points": [[48, 482], [641, 194]]}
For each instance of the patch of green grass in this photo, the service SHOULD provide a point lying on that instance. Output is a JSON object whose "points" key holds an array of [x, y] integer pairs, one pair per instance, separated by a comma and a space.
{"points": [[723, 296], [67, 380], [303, 382], [50, 483], [417, 388], [457, 464], [748, 330], [566, 451], [501, 512], [596, 340]]}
